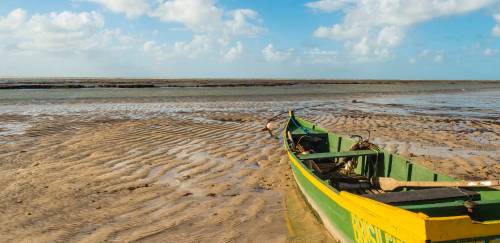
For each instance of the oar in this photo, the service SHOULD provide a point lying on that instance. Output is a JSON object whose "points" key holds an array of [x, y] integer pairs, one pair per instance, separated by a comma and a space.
{"points": [[389, 184]]}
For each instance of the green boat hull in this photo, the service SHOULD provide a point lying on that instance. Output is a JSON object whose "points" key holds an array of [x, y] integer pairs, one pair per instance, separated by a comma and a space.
{"points": [[351, 218], [338, 221]]}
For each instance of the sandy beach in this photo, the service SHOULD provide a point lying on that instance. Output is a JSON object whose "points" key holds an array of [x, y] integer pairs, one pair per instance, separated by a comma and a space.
{"points": [[202, 169]]}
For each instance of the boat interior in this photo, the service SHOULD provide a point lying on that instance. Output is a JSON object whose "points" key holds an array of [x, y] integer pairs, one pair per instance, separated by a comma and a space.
{"points": [[326, 154]]}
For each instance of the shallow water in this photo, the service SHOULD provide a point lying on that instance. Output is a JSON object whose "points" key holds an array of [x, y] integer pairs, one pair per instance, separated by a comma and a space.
{"points": [[450, 100], [478, 104], [215, 93]]}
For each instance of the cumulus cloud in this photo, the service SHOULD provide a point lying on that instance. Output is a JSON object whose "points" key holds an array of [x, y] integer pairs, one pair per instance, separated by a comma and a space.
{"points": [[153, 48], [272, 55], [329, 5], [13, 20], [131, 8], [243, 22], [389, 36], [203, 16], [198, 46], [339, 32], [234, 52], [373, 28], [197, 15], [55, 32], [200, 16], [362, 48], [213, 27]]}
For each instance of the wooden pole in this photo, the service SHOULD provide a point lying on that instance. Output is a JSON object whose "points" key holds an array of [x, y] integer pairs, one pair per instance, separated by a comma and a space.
{"points": [[390, 184]]}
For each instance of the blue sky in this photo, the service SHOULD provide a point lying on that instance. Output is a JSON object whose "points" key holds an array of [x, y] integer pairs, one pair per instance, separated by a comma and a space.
{"points": [[395, 39]]}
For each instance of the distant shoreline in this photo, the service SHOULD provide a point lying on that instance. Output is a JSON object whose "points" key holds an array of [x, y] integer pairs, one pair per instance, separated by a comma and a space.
{"points": [[79, 83]]}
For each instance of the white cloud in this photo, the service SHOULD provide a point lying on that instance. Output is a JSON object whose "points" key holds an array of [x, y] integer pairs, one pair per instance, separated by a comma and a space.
{"points": [[373, 28], [362, 48], [329, 5], [497, 17], [390, 36], [339, 32], [234, 52], [213, 27], [425, 53], [487, 52], [13, 20], [192, 49], [496, 29], [428, 56], [240, 23], [198, 46], [132, 8], [55, 32], [197, 15], [203, 16], [64, 43], [367, 50], [272, 55], [436, 56], [318, 56], [153, 48], [439, 57]]}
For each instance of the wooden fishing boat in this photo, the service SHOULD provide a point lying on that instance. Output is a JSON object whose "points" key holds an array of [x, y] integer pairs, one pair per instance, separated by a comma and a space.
{"points": [[418, 205]]}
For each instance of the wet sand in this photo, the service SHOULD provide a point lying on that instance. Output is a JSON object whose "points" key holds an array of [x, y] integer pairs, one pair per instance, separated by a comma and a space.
{"points": [[201, 173]]}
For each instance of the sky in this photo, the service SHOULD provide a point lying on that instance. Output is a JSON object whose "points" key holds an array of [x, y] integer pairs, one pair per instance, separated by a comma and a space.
{"points": [[325, 39]]}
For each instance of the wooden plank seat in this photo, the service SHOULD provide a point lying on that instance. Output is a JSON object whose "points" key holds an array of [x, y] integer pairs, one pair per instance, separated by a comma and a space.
{"points": [[432, 194], [301, 131], [337, 154]]}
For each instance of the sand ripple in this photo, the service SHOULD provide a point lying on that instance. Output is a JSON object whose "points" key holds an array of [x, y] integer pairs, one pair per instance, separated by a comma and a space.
{"points": [[128, 180]]}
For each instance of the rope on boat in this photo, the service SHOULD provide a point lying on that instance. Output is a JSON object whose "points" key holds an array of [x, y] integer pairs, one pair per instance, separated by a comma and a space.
{"points": [[346, 165], [350, 163]]}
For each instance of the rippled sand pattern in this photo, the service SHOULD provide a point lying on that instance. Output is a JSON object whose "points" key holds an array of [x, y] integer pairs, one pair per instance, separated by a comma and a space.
{"points": [[125, 180], [195, 176]]}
